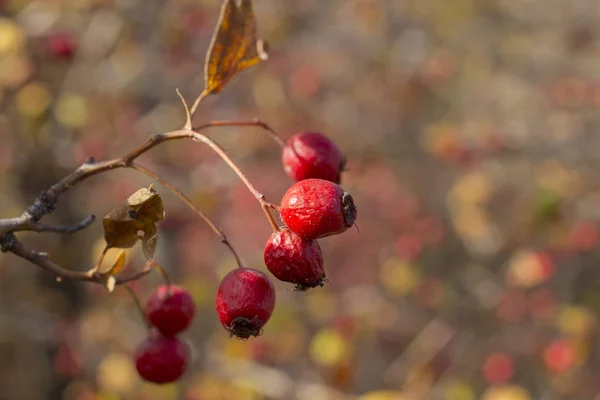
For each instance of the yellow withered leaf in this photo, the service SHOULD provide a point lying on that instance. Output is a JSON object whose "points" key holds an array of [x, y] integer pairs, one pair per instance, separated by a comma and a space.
{"points": [[234, 46], [108, 278]]}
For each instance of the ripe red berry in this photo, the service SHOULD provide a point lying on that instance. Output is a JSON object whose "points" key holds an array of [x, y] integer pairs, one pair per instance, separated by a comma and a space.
{"points": [[170, 309], [161, 359], [292, 258], [313, 155], [245, 301], [315, 208]]}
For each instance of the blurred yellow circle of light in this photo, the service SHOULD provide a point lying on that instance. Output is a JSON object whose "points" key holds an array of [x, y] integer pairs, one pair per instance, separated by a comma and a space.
{"points": [[506, 392], [399, 277], [383, 395], [117, 374], [33, 99], [329, 348], [12, 36], [459, 391], [72, 111]]}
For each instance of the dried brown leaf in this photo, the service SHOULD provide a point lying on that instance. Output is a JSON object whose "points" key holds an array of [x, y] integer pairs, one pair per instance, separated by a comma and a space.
{"points": [[234, 47], [126, 224]]}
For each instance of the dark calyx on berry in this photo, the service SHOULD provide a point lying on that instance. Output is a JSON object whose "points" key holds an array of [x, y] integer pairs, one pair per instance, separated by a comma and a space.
{"points": [[349, 208], [243, 328]]}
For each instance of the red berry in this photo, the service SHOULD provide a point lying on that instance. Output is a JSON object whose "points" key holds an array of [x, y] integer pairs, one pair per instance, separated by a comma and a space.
{"points": [[161, 359], [313, 155], [245, 301], [315, 208], [61, 45], [170, 309], [292, 258]]}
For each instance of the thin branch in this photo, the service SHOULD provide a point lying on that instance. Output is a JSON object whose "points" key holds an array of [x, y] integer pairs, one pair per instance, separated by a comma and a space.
{"points": [[138, 305], [199, 99], [191, 205], [255, 122], [46, 202], [11, 244], [64, 229]]}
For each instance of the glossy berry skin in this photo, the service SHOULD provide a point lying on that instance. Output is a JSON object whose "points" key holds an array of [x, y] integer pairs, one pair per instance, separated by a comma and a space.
{"points": [[170, 309], [245, 301], [315, 208], [292, 258], [312, 155], [161, 359]]}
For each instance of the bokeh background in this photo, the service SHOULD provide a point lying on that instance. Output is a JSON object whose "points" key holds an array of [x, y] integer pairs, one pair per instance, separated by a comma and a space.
{"points": [[471, 129]]}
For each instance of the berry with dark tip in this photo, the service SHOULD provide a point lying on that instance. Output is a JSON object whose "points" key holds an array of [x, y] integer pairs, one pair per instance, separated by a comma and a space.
{"points": [[315, 208], [313, 155], [292, 258], [161, 359], [245, 302], [170, 309]]}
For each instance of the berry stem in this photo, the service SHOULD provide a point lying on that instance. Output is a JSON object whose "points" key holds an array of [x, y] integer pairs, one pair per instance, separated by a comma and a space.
{"points": [[255, 122], [265, 205], [138, 305], [191, 205], [270, 218], [154, 264]]}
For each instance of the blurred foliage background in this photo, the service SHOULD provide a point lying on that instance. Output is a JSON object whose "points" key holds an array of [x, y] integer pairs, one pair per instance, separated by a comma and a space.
{"points": [[471, 129]]}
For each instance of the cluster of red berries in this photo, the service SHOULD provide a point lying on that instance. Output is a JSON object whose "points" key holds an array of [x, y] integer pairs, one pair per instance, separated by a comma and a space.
{"points": [[163, 357], [312, 208]]}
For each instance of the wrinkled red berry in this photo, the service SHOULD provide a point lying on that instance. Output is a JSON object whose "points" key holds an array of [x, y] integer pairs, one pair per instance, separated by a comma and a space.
{"points": [[313, 155], [292, 258], [315, 208], [170, 309], [161, 359], [245, 301]]}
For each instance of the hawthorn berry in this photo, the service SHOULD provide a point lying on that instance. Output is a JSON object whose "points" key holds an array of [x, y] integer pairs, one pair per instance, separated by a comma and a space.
{"points": [[170, 309], [161, 359], [315, 208], [292, 258], [245, 301], [313, 155]]}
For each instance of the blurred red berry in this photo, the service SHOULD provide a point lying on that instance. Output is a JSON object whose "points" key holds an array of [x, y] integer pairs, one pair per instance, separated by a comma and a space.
{"points": [[498, 368], [292, 258], [584, 236], [315, 208], [170, 309], [313, 155], [409, 246], [559, 356], [245, 302], [162, 359], [61, 45]]}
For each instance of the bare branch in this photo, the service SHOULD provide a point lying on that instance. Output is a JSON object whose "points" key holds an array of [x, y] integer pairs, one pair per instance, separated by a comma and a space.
{"points": [[46, 202], [65, 229]]}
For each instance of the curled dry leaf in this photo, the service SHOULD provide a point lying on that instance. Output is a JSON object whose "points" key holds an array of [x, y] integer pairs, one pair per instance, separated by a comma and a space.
{"points": [[126, 224], [234, 45]]}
